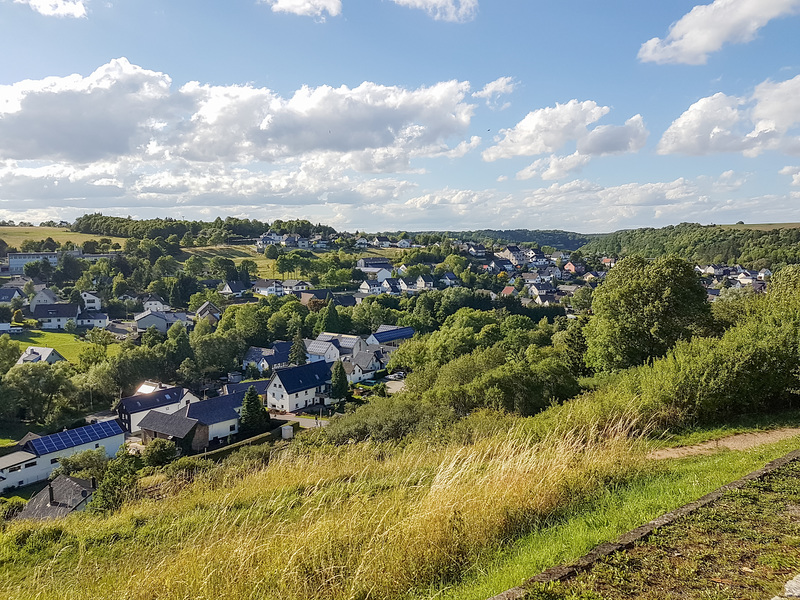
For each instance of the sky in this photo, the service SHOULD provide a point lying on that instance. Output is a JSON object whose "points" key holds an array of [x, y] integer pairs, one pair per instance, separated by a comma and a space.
{"points": [[412, 115]]}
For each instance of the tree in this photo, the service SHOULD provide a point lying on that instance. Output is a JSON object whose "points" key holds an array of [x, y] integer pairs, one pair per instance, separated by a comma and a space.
{"points": [[9, 353], [339, 382], [271, 252], [152, 336], [84, 465], [254, 418], [37, 387], [119, 483], [297, 354], [70, 326], [159, 452], [642, 309]]}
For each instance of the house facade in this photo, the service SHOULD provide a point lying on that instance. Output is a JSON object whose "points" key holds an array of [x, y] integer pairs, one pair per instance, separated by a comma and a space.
{"points": [[299, 387]]}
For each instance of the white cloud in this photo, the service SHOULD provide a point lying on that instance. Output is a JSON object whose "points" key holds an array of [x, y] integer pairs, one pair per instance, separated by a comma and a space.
{"points": [[793, 172], [615, 139], [764, 121], [57, 8], [456, 11], [546, 130], [555, 167], [706, 28], [307, 8], [492, 91]]}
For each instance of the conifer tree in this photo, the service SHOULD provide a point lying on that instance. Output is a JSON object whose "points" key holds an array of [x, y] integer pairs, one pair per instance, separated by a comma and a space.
{"points": [[338, 381], [254, 419], [297, 354]]}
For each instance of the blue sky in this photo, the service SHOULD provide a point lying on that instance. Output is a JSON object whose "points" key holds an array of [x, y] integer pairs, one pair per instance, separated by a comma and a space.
{"points": [[402, 114]]}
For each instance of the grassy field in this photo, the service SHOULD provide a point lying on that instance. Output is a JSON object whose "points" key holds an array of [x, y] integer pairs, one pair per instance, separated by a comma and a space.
{"points": [[265, 265], [744, 545], [14, 236], [68, 345], [618, 509], [763, 226]]}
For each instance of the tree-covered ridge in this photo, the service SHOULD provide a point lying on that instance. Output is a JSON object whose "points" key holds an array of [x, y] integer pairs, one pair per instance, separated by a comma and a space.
{"points": [[562, 240], [153, 228], [704, 244]]}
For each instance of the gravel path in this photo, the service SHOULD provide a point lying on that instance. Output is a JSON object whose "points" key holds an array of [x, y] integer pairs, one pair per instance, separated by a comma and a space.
{"points": [[740, 441]]}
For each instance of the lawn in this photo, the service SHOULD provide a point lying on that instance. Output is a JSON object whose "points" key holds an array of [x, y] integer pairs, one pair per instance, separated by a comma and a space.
{"points": [[68, 345], [14, 236]]}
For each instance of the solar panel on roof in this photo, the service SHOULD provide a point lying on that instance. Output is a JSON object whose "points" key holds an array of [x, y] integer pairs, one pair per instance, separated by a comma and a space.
{"points": [[75, 437]]}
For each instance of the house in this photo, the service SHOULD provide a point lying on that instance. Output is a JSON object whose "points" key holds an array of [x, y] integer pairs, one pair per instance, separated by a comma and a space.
{"points": [[575, 268], [476, 250], [268, 287], [209, 312], [91, 301], [268, 358], [233, 388], [546, 299], [308, 295], [154, 302], [764, 274], [162, 321], [131, 410], [62, 496], [403, 243], [319, 243], [298, 387], [362, 242], [408, 284], [381, 241], [89, 318], [39, 456], [500, 265], [197, 425], [295, 285], [323, 350], [371, 286], [361, 366], [509, 290], [515, 254], [449, 279], [55, 316], [424, 282], [234, 289], [348, 344], [268, 239], [8, 294], [42, 297], [391, 286], [18, 260], [35, 354], [390, 335], [541, 288], [374, 262], [376, 273]]}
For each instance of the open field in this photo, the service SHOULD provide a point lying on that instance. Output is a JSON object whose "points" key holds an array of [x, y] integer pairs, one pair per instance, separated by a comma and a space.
{"points": [[763, 226], [14, 236], [68, 345]]}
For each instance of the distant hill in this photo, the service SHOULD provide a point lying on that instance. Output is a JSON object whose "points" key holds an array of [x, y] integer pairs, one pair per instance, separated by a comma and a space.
{"points": [[561, 240], [753, 246]]}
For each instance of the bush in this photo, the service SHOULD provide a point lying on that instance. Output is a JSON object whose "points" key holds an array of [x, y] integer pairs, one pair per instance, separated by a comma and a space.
{"points": [[188, 466], [159, 452], [11, 507]]}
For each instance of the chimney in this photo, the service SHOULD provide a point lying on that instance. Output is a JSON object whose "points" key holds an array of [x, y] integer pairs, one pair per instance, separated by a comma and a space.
{"points": [[50, 491], [94, 483]]}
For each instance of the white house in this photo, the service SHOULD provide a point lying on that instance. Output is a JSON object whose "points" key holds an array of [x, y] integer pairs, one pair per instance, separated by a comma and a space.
{"points": [[89, 318], [154, 302], [371, 286], [39, 456], [56, 316], [298, 387], [131, 410], [295, 285], [42, 297], [268, 287], [91, 301], [35, 354], [403, 244], [160, 320]]}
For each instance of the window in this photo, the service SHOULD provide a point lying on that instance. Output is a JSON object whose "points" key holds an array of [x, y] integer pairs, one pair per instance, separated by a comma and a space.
{"points": [[30, 464], [97, 445], [14, 469], [233, 427], [53, 461]]}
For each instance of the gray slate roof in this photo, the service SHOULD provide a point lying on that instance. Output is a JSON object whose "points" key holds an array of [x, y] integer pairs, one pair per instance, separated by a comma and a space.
{"points": [[68, 494], [142, 402], [175, 425], [304, 377]]}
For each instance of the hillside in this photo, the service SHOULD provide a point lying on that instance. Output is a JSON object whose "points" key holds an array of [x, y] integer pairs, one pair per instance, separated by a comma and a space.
{"points": [[14, 236], [753, 246]]}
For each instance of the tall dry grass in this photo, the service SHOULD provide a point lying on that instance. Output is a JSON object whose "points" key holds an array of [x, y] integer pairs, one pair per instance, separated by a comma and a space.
{"points": [[357, 522]]}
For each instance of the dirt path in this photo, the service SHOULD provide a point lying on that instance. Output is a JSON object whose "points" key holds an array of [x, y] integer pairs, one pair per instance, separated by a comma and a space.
{"points": [[740, 441]]}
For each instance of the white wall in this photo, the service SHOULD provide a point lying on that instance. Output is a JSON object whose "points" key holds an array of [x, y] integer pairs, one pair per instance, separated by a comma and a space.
{"points": [[46, 463]]}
